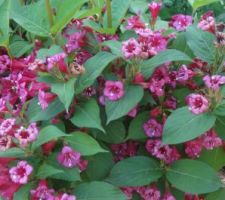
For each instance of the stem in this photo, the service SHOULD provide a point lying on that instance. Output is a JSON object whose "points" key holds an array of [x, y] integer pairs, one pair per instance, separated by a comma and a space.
{"points": [[49, 11], [109, 13]]}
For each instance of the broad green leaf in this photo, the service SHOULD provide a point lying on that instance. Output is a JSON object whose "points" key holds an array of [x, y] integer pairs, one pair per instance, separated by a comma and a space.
{"points": [[65, 12], [87, 115], [94, 67], [139, 6], [169, 55], [35, 113], [218, 195], [99, 166], [119, 108], [115, 46], [115, 133], [199, 3], [13, 152], [19, 47], [47, 134], [84, 144], [65, 91], [182, 126], [44, 53], [215, 158], [193, 176], [24, 192], [98, 191], [46, 171], [135, 171], [136, 130], [4, 24], [119, 10], [201, 43], [30, 19], [220, 127], [220, 109]]}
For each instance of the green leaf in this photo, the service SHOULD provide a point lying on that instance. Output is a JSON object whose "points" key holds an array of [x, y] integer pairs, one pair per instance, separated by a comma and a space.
{"points": [[35, 113], [98, 191], [46, 171], [24, 192], [135, 171], [115, 133], [220, 109], [65, 91], [99, 166], [182, 126], [87, 115], [136, 130], [47, 134], [199, 3], [84, 144], [44, 53], [119, 10], [13, 152], [4, 24], [94, 67], [115, 46], [19, 47], [119, 108], [30, 19], [220, 127], [169, 55], [201, 43], [215, 158], [139, 6], [218, 195], [193, 176], [65, 12]]}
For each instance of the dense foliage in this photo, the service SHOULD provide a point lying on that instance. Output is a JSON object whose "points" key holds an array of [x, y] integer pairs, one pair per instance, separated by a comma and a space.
{"points": [[112, 99]]}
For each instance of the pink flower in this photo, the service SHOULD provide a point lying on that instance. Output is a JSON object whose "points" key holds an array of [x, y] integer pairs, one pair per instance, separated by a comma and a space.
{"points": [[7, 125], [134, 22], [131, 48], [75, 41], [184, 74], [5, 142], [21, 172], [149, 193], [5, 63], [180, 22], [114, 90], [42, 192], [45, 98], [214, 81], [210, 140], [154, 8], [55, 59], [68, 157], [27, 135], [152, 128], [171, 103], [207, 22], [133, 112], [168, 196], [197, 103], [66, 196], [193, 148]]}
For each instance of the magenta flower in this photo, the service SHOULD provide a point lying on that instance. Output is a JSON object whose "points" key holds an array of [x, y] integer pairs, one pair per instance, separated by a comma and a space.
{"points": [[131, 48], [193, 148], [180, 22], [152, 128], [68, 157], [55, 59], [134, 22], [214, 81], [197, 103], [27, 135], [21, 172], [66, 196], [184, 74], [114, 90], [5, 142], [168, 196], [207, 22], [45, 98], [154, 8], [75, 41], [210, 140], [7, 125], [42, 192], [149, 193], [5, 63]]}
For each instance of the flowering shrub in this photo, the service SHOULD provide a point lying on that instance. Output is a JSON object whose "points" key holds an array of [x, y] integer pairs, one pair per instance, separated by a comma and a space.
{"points": [[105, 100]]}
